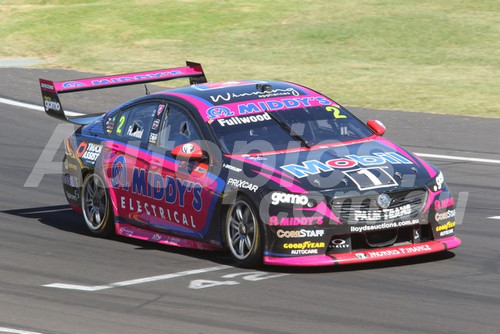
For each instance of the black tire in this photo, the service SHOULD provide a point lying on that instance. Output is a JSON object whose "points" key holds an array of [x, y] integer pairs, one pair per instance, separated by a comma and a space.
{"points": [[96, 206], [243, 233]]}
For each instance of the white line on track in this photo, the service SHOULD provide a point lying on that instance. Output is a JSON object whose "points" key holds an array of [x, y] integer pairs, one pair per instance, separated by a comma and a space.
{"points": [[494, 217], [33, 106], [136, 281], [453, 157], [15, 331], [424, 155]]}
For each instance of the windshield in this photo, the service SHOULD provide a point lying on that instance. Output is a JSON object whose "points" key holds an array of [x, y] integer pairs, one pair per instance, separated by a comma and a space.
{"points": [[288, 128]]}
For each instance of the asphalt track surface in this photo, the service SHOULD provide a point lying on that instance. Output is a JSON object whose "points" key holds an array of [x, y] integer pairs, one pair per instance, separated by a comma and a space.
{"points": [[127, 286]]}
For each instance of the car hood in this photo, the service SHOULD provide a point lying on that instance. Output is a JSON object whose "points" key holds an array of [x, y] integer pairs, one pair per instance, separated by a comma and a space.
{"points": [[371, 164]]}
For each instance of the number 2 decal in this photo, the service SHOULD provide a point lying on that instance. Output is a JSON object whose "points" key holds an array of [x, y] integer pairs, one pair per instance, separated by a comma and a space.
{"points": [[336, 112], [121, 121]]}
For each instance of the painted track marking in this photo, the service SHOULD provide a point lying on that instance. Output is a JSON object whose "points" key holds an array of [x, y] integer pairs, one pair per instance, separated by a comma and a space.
{"points": [[16, 331], [34, 106], [135, 281], [494, 217], [453, 157]]}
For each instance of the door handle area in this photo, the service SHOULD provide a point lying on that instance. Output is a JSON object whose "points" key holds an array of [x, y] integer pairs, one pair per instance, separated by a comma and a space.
{"points": [[156, 164], [115, 147]]}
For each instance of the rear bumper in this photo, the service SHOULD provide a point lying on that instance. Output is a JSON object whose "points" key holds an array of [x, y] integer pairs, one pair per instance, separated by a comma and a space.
{"points": [[371, 255]]}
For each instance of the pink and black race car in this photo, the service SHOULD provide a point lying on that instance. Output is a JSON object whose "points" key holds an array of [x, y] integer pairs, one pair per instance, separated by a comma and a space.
{"points": [[273, 171]]}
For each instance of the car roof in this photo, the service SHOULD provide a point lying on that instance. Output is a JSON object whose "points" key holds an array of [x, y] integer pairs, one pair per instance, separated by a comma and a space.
{"points": [[229, 98], [218, 93]]}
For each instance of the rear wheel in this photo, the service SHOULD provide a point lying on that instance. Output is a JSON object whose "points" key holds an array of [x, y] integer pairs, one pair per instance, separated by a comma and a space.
{"points": [[243, 233], [96, 206]]}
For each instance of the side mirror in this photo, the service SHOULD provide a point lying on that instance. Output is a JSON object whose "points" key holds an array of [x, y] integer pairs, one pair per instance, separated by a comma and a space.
{"points": [[377, 126], [189, 151]]}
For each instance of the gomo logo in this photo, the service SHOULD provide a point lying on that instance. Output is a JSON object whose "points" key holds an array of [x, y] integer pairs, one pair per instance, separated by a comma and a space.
{"points": [[277, 198], [52, 105]]}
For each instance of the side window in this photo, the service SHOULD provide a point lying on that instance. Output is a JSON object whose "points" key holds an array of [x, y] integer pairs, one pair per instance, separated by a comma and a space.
{"points": [[177, 128], [135, 121]]}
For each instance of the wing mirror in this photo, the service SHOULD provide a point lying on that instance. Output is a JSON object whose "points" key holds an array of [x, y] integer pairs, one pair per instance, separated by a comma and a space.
{"points": [[189, 152], [377, 126]]}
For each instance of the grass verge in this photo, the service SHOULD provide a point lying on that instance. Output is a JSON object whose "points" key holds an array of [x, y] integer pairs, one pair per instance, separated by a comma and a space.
{"points": [[417, 55]]}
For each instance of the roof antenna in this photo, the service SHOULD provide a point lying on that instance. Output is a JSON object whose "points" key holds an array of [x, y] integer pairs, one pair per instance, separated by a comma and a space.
{"points": [[147, 90], [265, 88]]}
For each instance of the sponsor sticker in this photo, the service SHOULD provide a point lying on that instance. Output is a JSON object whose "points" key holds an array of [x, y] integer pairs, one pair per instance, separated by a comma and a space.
{"points": [[242, 184], [384, 226], [382, 214], [304, 245], [303, 233], [284, 198], [88, 151], [449, 225], [52, 105], [243, 119], [339, 244], [445, 215], [314, 167], [295, 221]]}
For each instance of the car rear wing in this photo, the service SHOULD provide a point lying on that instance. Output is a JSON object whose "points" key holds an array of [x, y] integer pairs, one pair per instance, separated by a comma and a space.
{"points": [[52, 89]]}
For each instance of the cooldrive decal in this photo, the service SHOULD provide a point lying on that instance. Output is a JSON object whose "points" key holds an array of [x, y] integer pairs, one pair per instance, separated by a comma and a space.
{"points": [[313, 167]]}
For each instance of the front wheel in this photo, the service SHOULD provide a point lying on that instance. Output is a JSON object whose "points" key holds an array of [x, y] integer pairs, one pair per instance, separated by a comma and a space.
{"points": [[96, 206], [243, 234]]}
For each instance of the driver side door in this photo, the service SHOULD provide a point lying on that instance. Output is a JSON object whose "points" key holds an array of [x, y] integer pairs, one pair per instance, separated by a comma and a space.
{"points": [[185, 191]]}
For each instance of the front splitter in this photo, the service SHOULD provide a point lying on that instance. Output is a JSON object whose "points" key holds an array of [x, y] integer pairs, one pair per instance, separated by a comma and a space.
{"points": [[364, 256]]}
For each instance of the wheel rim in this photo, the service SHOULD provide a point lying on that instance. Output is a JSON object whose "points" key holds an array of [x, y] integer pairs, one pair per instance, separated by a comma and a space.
{"points": [[241, 230], [95, 202]]}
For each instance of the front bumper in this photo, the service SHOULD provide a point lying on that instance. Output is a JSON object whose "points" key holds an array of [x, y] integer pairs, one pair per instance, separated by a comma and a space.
{"points": [[364, 256]]}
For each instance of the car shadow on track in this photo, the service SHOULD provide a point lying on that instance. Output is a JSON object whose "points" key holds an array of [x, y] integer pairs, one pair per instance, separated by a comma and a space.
{"points": [[62, 217]]}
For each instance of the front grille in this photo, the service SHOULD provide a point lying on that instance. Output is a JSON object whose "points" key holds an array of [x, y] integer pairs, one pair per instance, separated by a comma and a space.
{"points": [[404, 204]]}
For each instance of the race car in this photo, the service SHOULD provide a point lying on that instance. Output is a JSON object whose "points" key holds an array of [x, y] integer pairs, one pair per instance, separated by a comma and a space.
{"points": [[275, 172]]}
